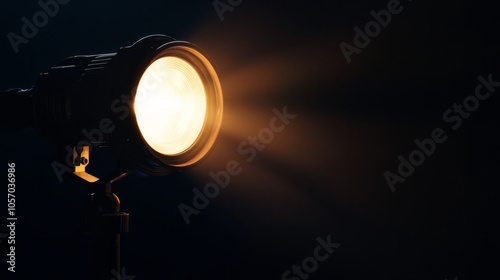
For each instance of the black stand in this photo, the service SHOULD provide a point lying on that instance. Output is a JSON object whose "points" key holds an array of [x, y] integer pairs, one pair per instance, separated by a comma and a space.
{"points": [[104, 222]]}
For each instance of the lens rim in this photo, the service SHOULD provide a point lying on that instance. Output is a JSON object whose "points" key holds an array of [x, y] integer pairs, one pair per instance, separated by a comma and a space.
{"points": [[214, 102]]}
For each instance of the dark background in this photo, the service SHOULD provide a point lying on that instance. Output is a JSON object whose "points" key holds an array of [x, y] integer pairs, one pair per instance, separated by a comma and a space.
{"points": [[323, 175]]}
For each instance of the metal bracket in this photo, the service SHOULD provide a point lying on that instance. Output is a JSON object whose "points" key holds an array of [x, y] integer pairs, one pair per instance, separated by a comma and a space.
{"points": [[80, 161]]}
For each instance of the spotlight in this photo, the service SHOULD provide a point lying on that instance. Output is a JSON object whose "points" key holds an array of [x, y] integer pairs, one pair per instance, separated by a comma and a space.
{"points": [[157, 104], [173, 103]]}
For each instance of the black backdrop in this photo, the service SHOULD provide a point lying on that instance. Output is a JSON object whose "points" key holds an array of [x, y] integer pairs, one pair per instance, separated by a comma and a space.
{"points": [[323, 175]]}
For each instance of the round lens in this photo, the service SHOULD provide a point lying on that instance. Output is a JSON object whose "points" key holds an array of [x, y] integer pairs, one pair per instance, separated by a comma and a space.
{"points": [[170, 105]]}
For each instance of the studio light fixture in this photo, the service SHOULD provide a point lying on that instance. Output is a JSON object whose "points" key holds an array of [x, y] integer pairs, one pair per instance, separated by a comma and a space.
{"points": [[156, 104], [173, 93]]}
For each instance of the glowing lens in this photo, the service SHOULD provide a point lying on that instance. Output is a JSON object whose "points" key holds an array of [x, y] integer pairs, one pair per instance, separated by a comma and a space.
{"points": [[170, 105]]}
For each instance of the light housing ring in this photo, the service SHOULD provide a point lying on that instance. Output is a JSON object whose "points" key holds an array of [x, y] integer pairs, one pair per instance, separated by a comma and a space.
{"points": [[214, 103]]}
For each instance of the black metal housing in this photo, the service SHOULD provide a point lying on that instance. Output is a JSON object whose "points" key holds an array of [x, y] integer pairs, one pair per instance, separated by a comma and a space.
{"points": [[92, 95]]}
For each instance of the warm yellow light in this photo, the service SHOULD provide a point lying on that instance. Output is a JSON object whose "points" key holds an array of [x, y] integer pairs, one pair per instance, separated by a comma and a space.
{"points": [[170, 105]]}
